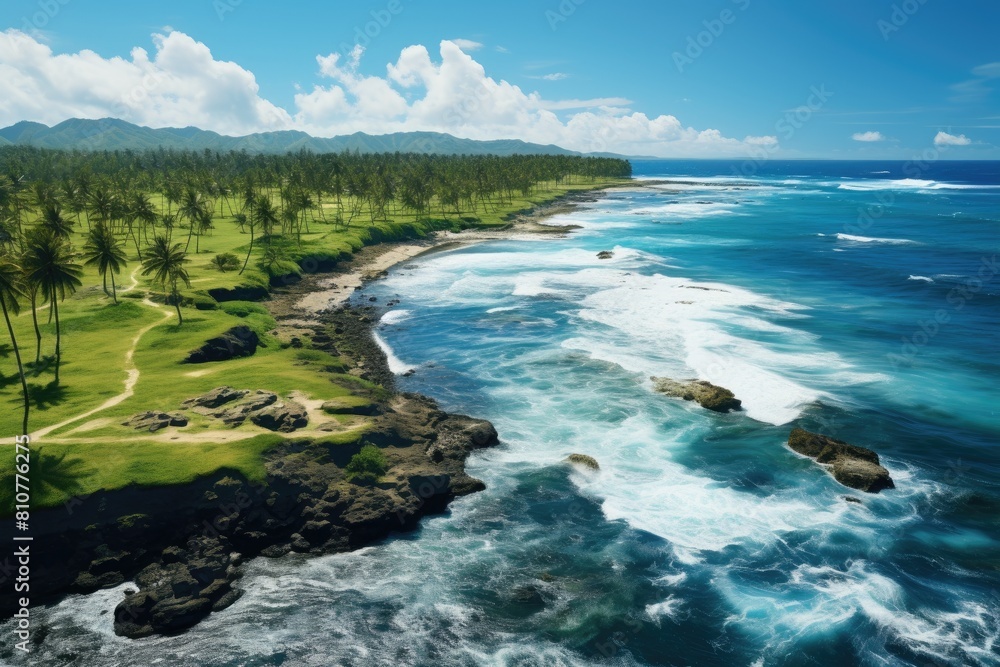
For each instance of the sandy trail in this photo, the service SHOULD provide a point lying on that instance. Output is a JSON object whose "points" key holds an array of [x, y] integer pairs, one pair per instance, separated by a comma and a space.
{"points": [[131, 372]]}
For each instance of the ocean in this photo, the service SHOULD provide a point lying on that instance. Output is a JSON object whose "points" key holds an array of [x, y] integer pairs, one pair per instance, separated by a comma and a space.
{"points": [[860, 300]]}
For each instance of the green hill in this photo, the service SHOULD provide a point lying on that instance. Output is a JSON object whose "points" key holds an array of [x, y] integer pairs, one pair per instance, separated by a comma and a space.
{"points": [[114, 134]]}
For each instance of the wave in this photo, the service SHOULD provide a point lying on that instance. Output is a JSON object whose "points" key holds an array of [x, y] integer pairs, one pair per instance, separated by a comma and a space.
{"points": [[867, 239], [396, 365], [395, 317], [916, 184], [921, 278]]}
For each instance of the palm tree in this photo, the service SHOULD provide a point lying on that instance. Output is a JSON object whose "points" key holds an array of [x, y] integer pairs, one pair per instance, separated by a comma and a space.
{"points": [[192, 207], [48, 263], [166, 263], [11, 290], [53, 220], [104, 250]]}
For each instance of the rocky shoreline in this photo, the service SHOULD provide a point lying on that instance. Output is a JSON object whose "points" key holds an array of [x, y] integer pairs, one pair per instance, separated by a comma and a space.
{"points": [[183, 546]]}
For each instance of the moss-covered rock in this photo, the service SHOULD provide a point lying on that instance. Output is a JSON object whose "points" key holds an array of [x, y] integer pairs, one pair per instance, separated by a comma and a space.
{"points": [[853, 466], [706, 394]]}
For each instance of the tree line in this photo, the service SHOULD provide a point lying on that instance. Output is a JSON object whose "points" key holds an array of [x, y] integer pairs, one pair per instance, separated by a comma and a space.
{"points": [[140, 200]]}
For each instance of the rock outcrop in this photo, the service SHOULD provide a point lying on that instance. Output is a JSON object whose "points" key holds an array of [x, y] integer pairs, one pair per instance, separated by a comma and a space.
{"points": [[153, 421], [605, 254], [706, 394], [283, 417], [240, 341], [583, 460], [856, 467]]}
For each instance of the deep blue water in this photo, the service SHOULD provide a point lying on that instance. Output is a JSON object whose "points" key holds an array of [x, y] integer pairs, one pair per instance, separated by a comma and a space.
{"points": [[861, 300]]}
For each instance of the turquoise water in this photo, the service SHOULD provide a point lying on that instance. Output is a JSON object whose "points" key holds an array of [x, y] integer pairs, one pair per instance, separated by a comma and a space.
{"points": [[860, 300]]}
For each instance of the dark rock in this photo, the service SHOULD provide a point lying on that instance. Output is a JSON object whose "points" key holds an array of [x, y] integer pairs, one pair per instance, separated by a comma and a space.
{"points": [[339, 408], [856, 467], [852, 499], [240, 341], [583, 460], [283, 417], [216, 397], [153, 421], [239, 293], [706, 394], [605, 254], [237, 413]]}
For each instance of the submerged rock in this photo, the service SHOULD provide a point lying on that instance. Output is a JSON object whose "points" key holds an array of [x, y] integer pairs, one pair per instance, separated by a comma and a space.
{"points": [[605, 254], [856, 467], [583, 460], [706, 394]]}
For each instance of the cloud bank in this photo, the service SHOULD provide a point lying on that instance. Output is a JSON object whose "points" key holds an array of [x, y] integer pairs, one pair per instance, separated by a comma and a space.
{"points": [[183, 84]]}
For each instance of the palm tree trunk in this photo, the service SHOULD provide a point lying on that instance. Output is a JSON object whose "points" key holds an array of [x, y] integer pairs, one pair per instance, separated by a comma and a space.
{"points": [[247, 260], [177, 305], [114, 291], [20, 368], [38, 333], [55, 308]]}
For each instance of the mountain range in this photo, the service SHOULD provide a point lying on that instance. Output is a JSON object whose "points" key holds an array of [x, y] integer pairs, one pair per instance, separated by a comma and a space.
{"points": [[115, 134]]}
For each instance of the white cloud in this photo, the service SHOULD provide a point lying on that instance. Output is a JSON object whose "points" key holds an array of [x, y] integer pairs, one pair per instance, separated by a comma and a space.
{"points": [[868, 136], [945, 139], [467, 44], [181, 85], [555, 76], [184, 84]]}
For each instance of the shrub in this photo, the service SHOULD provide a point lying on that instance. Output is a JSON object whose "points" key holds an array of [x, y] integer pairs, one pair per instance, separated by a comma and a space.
{"points": [[227, 261], [367, 465]]}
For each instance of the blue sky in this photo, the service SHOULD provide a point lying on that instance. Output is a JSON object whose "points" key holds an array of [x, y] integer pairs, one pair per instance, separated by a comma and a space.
{"points": [[781, 78]]}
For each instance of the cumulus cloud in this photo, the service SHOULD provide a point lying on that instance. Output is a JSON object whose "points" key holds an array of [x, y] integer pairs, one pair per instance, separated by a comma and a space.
{"points": [[868, 136], [182, 83], [945, 139]]}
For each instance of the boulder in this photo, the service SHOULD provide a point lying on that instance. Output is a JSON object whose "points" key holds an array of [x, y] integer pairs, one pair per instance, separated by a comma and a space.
{"points": [[240, 341], [153, 421], [216, 397], [605, 254], [853, 466], [706, 394], [237, 413], [284, 417], [583, 460]]}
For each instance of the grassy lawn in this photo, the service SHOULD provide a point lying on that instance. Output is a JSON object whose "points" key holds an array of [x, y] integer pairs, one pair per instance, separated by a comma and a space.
{"points": [[97, 452]]}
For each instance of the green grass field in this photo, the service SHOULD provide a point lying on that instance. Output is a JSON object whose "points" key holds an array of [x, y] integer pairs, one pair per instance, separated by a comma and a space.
{"points": [[96, 452]]}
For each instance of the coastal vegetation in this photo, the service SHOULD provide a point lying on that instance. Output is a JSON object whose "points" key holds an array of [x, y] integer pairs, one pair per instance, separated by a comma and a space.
{"points": [[115, 266]]}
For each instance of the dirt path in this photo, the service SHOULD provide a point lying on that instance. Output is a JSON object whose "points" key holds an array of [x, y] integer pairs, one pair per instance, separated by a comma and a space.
{"points": [[131, 372]]}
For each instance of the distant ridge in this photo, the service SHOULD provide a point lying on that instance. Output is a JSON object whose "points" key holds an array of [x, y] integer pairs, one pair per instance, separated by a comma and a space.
{"points": [[113, 134]]}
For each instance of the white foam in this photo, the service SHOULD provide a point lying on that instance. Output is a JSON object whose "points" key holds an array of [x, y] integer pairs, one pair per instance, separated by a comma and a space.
{"points": [[867, 239], [915, 184], [921, 278], [395, 316], [396, 365], [669, 608]]}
